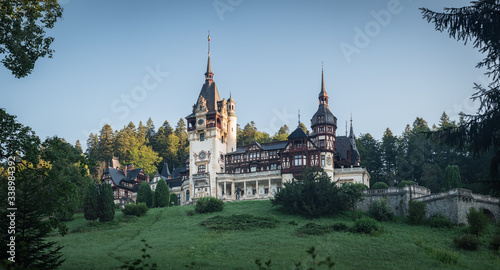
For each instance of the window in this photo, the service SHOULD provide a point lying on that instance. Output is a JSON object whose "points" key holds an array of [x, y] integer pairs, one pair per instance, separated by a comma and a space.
{"points": [[278, 189], [221, 169], [321, 129], [298, 160], [273, 167], [253, 169], [329, 129], [222, 139], [254, 191], [202, 137], [187, 195], [321, 143], [266, 190], [237, 170], [221, 156], [322, 160], [201, 169]]}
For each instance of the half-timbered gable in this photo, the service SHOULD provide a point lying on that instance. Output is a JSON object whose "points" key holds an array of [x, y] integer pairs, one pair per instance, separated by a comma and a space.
{"points": [[299, 152], [125, 182]]}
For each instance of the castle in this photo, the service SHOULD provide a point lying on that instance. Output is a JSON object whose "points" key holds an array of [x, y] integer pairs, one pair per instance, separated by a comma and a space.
{"points": [[217, 167]]}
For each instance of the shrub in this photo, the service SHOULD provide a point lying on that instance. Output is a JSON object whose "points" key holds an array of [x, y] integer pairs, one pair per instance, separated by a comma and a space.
{"points": [[340, 227], [406, 183], [467, 242], [209, 205], [313, 229], [416, 213], [439, 221], [161, 196], [173, 199], [478, 221], [353, 193], [495, 242], [135, 209], [380, 185], [380, 211], [366, 225], [313, 196], [239, 222], [106, 203], [144, 194], [91, 203], [190, 212]]}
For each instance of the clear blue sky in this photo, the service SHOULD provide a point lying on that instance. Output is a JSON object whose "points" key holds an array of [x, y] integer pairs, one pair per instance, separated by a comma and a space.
{"points": [[268, 54]]}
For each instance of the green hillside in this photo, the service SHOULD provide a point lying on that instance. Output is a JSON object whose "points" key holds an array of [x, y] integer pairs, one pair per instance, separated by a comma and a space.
{"points": [[178, 239]]}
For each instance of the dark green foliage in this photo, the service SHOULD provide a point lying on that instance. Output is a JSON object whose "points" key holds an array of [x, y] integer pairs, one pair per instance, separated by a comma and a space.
{"points": [[144, 194], [209, 205], [380, 185], [138, 210], [32, 226], [439, 221], [173, 200], [416, 213], [141, 264], [406, 183], [314, 196], [265, 266], [162, 195], [190, 212], [495, 242], [478, 221], [380, 211], [353, 193], [239, 222], [106, 203], [452, 177], [23, 38], [316, 229], [91, 203], [153, 201], [467, 242], [366, 225], [478, 133]]}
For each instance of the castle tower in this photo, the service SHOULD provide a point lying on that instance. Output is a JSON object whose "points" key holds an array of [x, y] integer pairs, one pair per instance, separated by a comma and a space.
{"points": [[212, 133], [324, 126]]}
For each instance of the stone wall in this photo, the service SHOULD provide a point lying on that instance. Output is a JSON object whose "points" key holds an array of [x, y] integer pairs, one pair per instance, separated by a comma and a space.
{"points": [[397, 198], [453, 204]]}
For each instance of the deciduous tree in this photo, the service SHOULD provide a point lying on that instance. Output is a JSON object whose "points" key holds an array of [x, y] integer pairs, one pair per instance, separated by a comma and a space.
{"points": [[22, 33]]}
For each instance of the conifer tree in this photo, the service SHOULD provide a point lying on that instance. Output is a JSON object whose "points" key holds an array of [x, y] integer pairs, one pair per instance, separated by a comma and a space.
{"points": [[91, 203], [452, 177], [106, 203], [144, 194], [162, 195]]}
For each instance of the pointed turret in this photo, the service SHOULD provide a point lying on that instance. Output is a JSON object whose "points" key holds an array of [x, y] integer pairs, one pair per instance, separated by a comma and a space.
{"points": [[352, 137], [323, 115], [209, 76], [323, 96]]}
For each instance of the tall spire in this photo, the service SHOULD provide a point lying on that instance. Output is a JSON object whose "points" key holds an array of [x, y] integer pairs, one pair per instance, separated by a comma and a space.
{"points": [[209, 76], [323, 96]]}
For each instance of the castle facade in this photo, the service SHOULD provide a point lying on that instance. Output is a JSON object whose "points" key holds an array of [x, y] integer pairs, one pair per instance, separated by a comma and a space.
{"points": [[217, 167]]}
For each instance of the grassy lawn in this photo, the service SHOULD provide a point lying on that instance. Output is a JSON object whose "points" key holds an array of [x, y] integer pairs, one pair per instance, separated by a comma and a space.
{"points": [[178, 239]]}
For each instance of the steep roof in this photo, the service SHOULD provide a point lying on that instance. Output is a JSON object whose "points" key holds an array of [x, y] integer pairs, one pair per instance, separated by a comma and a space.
{"points": [[297, 133], [165, 172], [210, 93], [343, 145]]}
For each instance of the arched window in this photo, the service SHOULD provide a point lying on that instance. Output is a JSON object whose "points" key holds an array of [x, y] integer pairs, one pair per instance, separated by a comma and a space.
{"points": [[201, 169], [187, 195]]}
